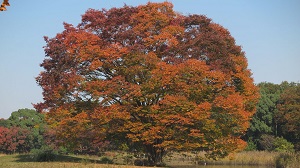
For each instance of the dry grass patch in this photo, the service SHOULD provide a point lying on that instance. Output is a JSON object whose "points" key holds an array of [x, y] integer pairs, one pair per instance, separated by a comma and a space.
{"points": [[251, 158]]}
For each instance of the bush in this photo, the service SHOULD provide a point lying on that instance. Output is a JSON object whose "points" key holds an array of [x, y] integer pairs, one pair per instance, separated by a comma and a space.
{"points": [[278, 144], [128, 159], [266, 142], [62, 151], [106, 160], [251, 146], [282, 145], [45, 154]]}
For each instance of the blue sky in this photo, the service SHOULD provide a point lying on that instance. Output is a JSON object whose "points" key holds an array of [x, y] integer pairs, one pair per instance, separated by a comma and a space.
{"points": [[268, 31]]}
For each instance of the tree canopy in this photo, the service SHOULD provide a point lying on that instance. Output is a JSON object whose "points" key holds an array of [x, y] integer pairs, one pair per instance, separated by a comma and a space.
{"points": [[26, 118], [22, 131], [288, 115], [263, 121], [276, 116], [149, 77]]}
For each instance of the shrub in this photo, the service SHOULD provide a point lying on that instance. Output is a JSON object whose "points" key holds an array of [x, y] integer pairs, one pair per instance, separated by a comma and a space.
{"points": [[128, 159], [266, 142], [282, 145], [251, 146], [45, 154], [106, 160], [62, 151]]}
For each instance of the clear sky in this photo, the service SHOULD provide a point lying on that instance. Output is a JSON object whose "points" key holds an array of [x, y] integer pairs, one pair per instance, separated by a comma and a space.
{"points": [[268, 31]]}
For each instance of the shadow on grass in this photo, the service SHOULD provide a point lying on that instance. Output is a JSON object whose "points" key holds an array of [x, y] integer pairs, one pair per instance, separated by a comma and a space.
{"points": [[59, 158]]}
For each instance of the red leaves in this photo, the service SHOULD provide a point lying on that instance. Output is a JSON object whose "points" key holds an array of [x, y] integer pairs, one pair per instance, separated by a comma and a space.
{"points": [[13, 139]]}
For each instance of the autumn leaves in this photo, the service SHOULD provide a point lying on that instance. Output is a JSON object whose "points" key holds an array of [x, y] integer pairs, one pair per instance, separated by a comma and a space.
{"points": [[151, 78], [3, 5]]}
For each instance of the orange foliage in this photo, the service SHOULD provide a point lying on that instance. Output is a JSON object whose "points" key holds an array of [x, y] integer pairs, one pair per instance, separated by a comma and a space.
{"points": [[3, 5], [148, 75]]}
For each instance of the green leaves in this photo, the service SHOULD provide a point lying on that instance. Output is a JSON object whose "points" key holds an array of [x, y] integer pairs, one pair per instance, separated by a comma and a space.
{"points": [[276, 113]]}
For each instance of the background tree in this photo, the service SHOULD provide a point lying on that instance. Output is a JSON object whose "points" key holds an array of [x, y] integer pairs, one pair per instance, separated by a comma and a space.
{"points": [[263, 121], [268, 121], [148, 76], [4, 123], [14, 140], [288, 115], [24, 130], [26, 118]]}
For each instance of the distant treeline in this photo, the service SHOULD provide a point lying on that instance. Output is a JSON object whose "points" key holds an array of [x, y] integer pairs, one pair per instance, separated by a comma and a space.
{"points": [[276, 123]]}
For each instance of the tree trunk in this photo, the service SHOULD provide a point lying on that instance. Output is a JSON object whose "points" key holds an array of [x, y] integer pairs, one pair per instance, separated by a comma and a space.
{"points": [[155, 155]]}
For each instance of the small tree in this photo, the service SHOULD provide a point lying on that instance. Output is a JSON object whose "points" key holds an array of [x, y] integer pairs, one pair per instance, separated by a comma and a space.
{"points": [[4, 123], [32, 121], [14, 140], [282, 145]]}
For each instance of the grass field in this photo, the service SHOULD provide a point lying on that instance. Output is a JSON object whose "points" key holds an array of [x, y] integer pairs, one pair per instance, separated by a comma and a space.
{"points": [[25, 161], [253, 158]]}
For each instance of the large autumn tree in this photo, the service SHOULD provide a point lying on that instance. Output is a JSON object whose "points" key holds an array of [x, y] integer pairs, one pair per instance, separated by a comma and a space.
{"points": [[151, 77]]}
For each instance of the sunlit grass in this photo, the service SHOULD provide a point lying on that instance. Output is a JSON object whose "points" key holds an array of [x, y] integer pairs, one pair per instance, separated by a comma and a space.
{"points": [[251, 158], [24, 161]]}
